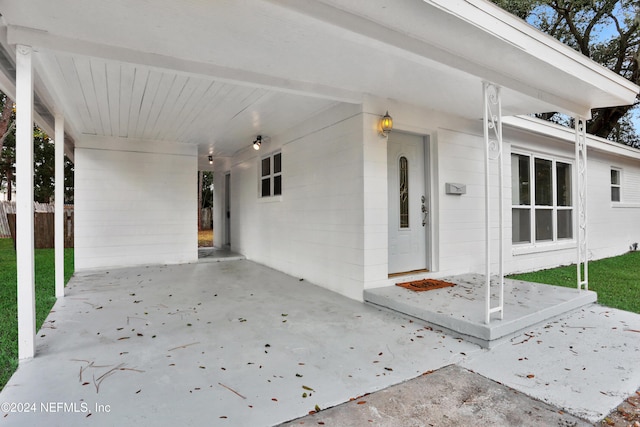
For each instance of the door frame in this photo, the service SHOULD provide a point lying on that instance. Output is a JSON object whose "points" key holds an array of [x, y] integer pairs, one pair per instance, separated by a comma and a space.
{"points": [[431, 187]]}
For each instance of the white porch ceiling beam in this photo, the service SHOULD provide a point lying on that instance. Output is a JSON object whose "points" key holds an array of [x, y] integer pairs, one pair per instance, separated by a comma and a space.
{"points": [[24, 203], [41, 39]]}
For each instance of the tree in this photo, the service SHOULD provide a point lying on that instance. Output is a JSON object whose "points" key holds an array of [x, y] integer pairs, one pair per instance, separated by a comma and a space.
{"points": [[43, 155], [607, 31]]}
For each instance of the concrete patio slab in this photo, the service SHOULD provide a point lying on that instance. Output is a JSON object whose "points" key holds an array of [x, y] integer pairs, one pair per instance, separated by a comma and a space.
{"points": [[586, 362], [238, 344], [217, 344], [460, 309]]}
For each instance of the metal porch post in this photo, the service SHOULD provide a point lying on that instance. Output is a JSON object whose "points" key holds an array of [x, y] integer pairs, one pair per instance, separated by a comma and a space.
{"points": [[582, 264], [24, 203], [59, 205], [492, 126]]}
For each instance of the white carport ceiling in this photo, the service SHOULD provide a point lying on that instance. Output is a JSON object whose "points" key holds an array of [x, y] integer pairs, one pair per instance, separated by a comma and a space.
{"points": [[216, 73]]}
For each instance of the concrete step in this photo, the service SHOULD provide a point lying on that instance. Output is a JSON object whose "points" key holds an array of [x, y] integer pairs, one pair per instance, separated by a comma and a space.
{"points": [[460, 310]]}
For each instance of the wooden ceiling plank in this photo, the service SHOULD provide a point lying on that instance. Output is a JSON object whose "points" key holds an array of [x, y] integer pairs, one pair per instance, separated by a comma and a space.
{"points": [[209, 107], [166, 82], [127, 77], [168, 107], [205, 87], [113, 71], [99, 77], [150, 92], [179, 106], [70, 77], [83, 69], [139, 83]]}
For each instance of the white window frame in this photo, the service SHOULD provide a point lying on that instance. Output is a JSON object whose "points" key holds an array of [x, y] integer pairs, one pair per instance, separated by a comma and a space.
{"points": [[618, 185], [271, 176], [555, 242]]}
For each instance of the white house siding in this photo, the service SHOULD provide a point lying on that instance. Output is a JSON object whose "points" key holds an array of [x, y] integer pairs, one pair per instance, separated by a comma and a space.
{"points": [[134, 203], [611, 226], [315, 229]]}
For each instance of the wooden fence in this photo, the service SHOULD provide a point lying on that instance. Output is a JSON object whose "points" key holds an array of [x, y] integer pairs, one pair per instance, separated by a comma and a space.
{"points": [[44, 228]]}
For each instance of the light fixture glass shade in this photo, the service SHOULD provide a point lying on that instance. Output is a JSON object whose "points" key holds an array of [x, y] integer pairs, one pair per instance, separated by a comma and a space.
{"points": [[257, 142], [386, 124]]}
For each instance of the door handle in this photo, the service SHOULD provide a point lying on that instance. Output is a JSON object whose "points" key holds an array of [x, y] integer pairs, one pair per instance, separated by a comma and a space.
{"points": [[425, 213]]}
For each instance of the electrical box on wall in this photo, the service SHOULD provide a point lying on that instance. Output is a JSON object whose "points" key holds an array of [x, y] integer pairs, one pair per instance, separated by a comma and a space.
{"points": [[456, 189]]}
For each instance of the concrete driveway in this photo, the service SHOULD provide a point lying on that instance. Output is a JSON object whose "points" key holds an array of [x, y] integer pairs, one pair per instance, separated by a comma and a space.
{"points": [[238, 344]]}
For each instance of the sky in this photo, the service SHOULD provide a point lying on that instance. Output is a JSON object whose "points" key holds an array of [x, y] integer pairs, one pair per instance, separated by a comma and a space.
{"points": [[603, 33]]}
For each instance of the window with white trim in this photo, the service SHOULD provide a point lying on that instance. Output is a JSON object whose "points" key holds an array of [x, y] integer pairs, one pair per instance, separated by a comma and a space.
{"points": [[542, 201], [616, 188], [271, 175]]}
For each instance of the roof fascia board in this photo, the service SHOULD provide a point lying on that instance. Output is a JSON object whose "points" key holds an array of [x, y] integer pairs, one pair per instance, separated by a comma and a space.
{"points": [[552, 130], [44, 40], [418, 50], [504, 25]]}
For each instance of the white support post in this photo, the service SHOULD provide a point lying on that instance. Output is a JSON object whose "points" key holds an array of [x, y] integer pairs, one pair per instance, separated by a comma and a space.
{"points": [[59, 205], [492, 126], [582, 264], [24, 203]]}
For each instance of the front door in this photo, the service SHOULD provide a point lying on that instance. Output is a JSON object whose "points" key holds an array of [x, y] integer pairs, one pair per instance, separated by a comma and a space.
{"points": [[408, 203]]}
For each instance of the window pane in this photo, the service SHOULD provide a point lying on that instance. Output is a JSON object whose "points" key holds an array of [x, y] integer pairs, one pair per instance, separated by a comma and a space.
{"points": [[277, 185], [521, 225], [544, 224], [277, 163], [266, 187], [563, 184], [404, 192], [266, 166], [615, 176], [520, 180], [565, 224], [615, 194], [544, 188]]}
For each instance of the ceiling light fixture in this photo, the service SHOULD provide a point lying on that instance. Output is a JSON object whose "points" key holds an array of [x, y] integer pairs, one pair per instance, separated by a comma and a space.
{"points": [[386, 124], [257, 142]]}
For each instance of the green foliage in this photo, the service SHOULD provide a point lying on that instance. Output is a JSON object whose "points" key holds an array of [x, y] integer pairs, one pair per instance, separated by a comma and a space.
{"points": [[616, 280], [207, 193], [44, 163], [607, 31], [45, 298]]}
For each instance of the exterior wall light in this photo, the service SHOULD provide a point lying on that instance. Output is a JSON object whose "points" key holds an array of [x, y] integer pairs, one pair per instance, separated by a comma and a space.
{"points": [[210, 160], [386, 124], [257, 142]]}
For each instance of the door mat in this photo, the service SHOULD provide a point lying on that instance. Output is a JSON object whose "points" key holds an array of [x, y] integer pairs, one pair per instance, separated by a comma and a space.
{"points": [[425, 285]]}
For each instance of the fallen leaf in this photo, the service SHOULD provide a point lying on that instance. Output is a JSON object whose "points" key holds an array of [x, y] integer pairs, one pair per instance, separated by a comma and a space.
{"points": [[307, 388], [274, 399], [123, 338], [317, 408], [298, 375], [362, 402], [530, 376], [388, 369]]}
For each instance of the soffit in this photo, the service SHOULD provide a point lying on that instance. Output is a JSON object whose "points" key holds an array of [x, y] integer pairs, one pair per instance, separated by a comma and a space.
{"points": [[215, 73]]}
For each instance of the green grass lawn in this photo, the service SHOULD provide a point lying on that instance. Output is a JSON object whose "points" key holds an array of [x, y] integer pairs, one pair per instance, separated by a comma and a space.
{"points": [[616, 280], [45, 298]]}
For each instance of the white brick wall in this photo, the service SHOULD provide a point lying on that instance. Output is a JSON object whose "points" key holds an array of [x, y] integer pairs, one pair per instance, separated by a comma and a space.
{"points": [[134, 204]]}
